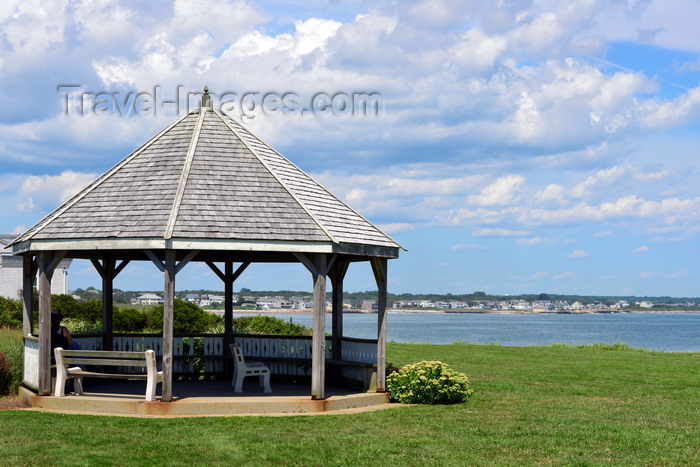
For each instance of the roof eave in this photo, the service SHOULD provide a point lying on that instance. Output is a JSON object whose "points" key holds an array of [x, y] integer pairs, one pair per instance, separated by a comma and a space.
{"points": [[377, 251], [194, 244]]}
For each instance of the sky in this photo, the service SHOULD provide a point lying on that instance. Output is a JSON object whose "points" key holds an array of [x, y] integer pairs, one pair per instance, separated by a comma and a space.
{"points": [[509, 146]]}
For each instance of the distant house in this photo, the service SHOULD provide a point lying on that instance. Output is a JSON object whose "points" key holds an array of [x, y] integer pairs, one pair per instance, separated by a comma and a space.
{"points": [[301, 303], [147, 299], [269, 303], [11, 283], [369, 305], [521, 305], [221, 298]]}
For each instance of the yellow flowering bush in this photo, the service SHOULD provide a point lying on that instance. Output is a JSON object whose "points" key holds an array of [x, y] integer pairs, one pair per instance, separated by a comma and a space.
{"points": [[428, 383]]}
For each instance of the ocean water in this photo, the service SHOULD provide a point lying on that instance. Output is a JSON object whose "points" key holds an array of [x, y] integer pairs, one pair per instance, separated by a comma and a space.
{"points": [[677, 332]]}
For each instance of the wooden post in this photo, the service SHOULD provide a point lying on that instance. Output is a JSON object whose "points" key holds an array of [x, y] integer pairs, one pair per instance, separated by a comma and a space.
{"points": [[108, 270], [228, 316], [318, 352], [29, 268], [44, 284], [168, 311], [337, 274], [379, 267], [47, 262], [107, 303]]}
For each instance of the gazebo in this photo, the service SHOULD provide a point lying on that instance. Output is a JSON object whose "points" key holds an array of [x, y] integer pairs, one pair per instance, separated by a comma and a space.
{"points": [[204, 189]]}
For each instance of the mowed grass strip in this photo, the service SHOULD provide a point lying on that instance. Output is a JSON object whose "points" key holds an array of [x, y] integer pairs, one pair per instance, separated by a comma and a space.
{"points": [[531, 406]]}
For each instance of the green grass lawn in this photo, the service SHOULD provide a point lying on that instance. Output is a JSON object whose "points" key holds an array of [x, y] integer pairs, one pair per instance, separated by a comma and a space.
{"points": [[531, 406]]}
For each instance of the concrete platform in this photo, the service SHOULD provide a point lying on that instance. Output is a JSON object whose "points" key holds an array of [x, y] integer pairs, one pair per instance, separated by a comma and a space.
{"points": [[204, 398]]}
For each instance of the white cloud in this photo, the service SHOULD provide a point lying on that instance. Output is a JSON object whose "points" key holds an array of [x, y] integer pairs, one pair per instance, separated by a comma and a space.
{"points": [[667, 114], [641, 249], [104, 21], [504, 119], [603, 177], [577, 254], [545, 241], [18, 230], [670, 210], [310, 35], [47, 192], [505, 190], [661, 275], [31, 28], [681, 273], [397, 227], [499, 233], [313, 34], [471, 246], [655, 176], [564, 275], [675, 31], [552, 194]]}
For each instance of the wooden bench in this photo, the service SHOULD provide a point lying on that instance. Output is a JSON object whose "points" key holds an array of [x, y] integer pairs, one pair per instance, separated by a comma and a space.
{"points": [[100, 358]]}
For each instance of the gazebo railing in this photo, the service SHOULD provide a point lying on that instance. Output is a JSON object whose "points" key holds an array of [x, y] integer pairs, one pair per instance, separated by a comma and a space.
{"points": [[30, 372], [203, 355], [284, 355], [193, 354]]}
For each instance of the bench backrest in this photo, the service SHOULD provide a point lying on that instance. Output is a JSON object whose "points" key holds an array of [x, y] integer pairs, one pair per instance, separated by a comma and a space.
{"points": [[103, 357], [237, 355]]}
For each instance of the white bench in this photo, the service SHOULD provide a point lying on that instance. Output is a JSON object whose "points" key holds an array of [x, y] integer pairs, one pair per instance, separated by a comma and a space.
{"points": [[101, 358], [242, 369]]}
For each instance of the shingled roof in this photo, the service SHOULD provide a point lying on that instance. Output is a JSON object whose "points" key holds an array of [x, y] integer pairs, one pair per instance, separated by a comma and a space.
{"points": [[206, 183]]}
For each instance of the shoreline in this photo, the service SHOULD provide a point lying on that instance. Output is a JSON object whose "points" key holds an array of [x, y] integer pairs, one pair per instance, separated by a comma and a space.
{"points": [[419, 310]]}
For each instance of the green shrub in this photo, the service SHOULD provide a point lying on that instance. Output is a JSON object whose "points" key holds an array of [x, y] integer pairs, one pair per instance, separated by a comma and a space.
{"points": [[218, 328], [128, 320], [391, 368], [5, 368], [428, 383], [79, 326], [188, 317], [66, 304], [11, 364], [268, 325], [91, 310], [10, 313]]}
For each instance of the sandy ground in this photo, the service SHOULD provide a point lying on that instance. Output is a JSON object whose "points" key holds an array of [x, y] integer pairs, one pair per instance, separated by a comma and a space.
{"points": [[11, 402]]}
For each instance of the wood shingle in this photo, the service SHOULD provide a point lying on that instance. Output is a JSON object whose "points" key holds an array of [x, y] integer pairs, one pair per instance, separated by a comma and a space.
{"points": [[205, 177]]}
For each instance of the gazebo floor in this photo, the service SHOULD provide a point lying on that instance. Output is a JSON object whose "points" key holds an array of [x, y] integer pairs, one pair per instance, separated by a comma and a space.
{"points": [[203, 399]]}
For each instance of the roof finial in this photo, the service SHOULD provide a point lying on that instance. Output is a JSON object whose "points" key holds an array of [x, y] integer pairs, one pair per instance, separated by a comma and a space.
{"points": [[206, 98]]}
